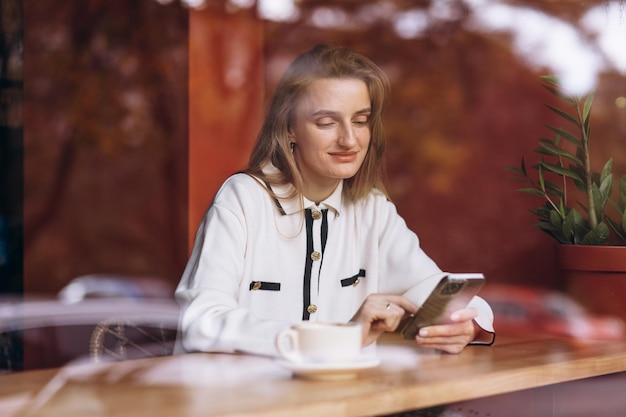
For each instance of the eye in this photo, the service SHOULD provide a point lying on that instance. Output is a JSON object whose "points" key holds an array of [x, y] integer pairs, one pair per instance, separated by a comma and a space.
{"points": [[361, 121], [324, 123]]}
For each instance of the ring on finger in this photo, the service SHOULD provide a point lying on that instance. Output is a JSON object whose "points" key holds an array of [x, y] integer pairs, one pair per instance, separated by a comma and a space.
{"points": [[388, 307]]}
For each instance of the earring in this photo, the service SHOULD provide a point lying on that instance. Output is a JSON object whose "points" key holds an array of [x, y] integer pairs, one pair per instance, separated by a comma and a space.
{"points": [[292, 146]]}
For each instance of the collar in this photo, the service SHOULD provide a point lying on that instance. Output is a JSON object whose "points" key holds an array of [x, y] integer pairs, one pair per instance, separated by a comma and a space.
{"points": [[297, 203], [332, 202]]}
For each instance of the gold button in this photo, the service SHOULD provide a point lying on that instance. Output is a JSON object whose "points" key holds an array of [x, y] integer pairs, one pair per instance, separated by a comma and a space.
{"points": [[316, 256], [256, 286], [311, 308], [356, 282], [316, 215]]}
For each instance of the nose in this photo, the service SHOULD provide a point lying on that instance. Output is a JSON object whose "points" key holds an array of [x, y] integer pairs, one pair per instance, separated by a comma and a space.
{"points": [[347, 135]]}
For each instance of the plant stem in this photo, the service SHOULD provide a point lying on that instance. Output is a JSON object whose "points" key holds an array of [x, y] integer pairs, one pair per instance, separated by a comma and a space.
{"points": [[537, 186], [591, 211], [564, 197]]}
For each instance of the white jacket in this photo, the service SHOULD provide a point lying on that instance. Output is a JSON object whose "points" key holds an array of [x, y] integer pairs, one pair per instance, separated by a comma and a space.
{"points": [[252, 272]]}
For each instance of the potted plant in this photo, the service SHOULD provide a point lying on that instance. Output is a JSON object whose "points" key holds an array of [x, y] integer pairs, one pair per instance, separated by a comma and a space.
{"points": [[579, 211]]}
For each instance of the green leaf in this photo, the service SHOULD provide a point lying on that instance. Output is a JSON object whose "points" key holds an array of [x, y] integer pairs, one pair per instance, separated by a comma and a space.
{"points": [[606, 186], [549, 229], [620, 232], [564, 115], [556, 141], [598, 236], [599, 200], [553, 189], [587, 106], [549, 149], [560, 170], [543, 212], [515, 170], [580, 171], [550, 79], [606, 170], [582, 206], [523, 167], [565, 134], [573, 225], [555, 219], [532, 191], [546, 226], [557, 92], [520, 179]]}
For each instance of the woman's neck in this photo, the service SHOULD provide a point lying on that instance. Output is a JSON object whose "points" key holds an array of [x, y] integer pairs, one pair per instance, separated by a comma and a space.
{"points": [[318, 194]]}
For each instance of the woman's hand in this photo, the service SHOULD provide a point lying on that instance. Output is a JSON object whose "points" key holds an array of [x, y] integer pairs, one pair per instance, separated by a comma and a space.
{"points": [[382, 313], [451, 338]]}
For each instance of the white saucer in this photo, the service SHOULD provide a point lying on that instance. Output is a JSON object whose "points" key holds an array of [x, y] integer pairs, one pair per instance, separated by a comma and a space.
{"points": [[331, 370]]}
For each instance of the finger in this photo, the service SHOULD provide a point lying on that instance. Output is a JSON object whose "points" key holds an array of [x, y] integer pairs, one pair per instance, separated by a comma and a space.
{"points": [[465, 314], [386, 308], [389, 317], [443, 340], [402, 302], [448, 330], [381, 313], [446, 343], [383, 316], [371, 336]]}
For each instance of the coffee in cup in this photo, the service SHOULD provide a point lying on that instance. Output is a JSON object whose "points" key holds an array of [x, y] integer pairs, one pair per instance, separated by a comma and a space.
{"points": [[320, 342]]}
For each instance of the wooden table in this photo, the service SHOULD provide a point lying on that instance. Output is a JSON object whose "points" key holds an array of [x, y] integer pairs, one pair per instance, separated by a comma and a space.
{"points": [[203, 384]]}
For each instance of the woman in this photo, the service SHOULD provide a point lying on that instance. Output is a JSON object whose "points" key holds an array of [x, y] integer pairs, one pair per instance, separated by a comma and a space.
{"points": [[307, 231]]}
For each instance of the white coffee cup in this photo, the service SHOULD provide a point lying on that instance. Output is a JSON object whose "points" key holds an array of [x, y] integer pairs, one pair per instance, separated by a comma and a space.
{"points": [[320, 342]]}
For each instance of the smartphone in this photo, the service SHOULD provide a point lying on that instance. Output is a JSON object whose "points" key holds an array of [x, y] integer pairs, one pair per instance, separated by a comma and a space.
{"points": [[452, 293]]}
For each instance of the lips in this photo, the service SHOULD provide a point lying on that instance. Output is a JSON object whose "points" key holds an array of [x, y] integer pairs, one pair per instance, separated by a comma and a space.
{"points": [[344, 156]]}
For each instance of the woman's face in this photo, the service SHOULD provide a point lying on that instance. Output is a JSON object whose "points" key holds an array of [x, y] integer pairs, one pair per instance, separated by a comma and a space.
{"points": [[331, 133]]}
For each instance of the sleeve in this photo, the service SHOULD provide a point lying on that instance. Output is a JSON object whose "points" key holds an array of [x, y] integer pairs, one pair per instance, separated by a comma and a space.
{"points": [[211, 319], [406, 269]]}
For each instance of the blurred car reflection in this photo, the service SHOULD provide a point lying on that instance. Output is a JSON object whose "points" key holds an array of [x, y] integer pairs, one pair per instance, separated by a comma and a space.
{"points": [[530, 310], [114, 286], [42, 331]]}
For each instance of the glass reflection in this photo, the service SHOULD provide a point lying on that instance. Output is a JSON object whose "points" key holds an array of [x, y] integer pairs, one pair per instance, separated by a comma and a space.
{"points": [[106, 123]]}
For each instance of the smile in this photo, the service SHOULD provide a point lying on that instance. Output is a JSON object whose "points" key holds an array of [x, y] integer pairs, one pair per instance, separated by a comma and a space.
{"points": [[344, 156]]}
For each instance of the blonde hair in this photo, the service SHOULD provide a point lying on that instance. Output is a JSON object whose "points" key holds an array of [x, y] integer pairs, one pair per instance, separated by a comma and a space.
{"points": [[325, 61]]}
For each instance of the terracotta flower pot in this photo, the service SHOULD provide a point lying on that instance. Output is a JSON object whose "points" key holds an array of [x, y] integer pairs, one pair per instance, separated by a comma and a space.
{"points": [[595, 276]]}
